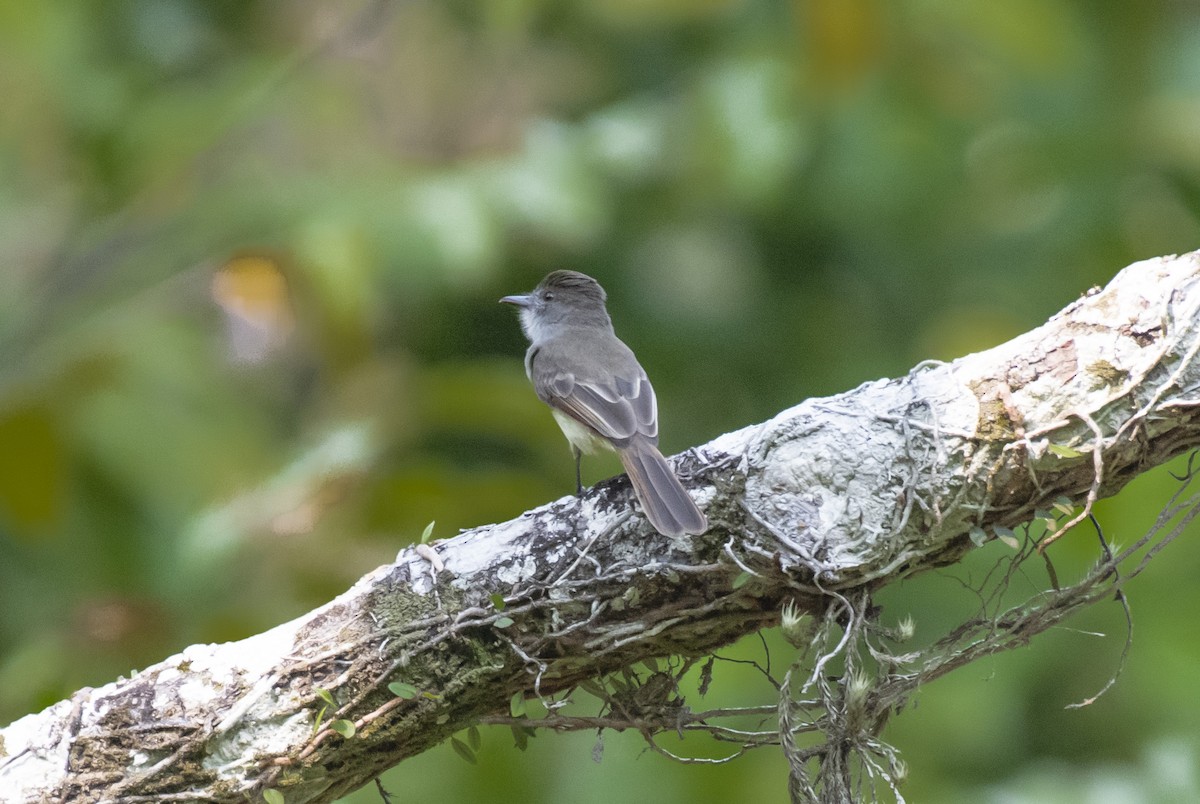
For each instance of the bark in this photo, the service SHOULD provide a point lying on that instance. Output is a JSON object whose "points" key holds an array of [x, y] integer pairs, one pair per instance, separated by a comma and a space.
{"points": [[835, 495]]}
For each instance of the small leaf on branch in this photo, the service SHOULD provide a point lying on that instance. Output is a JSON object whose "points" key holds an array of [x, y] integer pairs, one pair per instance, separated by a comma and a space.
{"points": [[705, 676], [516, 705], [463, 750], [402, 690], [1011, 541], [593, 688]]}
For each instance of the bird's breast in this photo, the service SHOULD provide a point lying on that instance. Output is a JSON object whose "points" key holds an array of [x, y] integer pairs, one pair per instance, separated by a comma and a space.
{"points": [[582, 437]]}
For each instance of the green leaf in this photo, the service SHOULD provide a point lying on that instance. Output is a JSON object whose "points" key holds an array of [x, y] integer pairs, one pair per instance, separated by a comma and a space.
{"points": [[426, 533], [978, 535], [516, 704], [463, 750], [272, 796], [443, 719], [1011, 541], [402, 690], [1002, 531], [593, 688], [498, 601], [343, 727], [320, 717], [1065, 452], [1053, 573], [706, 676], [520, 738], [326, 696], [504, 622], [473, 738], [433, 696], [741, 580]]}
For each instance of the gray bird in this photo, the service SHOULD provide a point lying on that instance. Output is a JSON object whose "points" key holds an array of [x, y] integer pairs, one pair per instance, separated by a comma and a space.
{"points": [[599, 393]]}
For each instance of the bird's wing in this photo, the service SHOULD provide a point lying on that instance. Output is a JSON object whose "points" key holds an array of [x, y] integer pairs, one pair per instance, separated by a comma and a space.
{"points": [[617, 408]]}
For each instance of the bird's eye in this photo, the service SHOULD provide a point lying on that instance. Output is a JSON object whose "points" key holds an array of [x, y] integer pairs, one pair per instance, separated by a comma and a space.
{"points": [[547, 296]]}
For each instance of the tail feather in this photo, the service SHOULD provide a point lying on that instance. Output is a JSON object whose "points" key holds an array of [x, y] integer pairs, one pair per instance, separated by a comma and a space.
{"points": [[665, 501]]}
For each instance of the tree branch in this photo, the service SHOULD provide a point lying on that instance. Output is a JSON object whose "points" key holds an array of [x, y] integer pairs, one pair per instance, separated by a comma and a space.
{"points": [[817, 507]]}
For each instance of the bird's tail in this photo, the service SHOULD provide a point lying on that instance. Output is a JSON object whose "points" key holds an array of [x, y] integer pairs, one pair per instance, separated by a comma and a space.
{"points": [[666, 503]]}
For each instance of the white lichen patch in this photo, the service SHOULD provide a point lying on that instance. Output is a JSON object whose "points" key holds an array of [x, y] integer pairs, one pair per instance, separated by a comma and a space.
{"points": [[734, 443], [251, 657], [517, 570], [468, 555], [261, 736], [33, 753]]}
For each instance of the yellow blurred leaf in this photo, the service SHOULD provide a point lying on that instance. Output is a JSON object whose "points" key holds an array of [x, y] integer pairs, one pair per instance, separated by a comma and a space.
{"points": [[31, 469], [252, 291], [639, 13], [845, 38]]}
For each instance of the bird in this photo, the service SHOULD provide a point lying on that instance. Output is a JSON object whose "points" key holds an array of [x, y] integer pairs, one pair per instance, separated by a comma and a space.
{"points": [[599, 394]]}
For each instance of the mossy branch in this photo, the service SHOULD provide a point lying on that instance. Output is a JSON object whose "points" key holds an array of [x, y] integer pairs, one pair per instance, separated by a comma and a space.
{"points": [[816, 508]]}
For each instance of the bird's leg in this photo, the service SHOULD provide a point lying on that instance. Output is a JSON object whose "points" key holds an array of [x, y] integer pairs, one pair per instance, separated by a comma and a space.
{"points": [[578, 475]]}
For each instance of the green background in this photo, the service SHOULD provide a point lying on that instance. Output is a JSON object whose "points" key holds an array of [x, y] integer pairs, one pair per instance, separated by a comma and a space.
{"points": [[783, 200]]}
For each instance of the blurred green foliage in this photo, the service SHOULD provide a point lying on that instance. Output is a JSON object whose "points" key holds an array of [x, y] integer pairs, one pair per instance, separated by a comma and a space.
{"points": [[250, 254]]}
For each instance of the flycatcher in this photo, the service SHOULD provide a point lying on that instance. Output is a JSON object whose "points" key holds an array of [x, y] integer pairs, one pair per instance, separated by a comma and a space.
{"points": [[599, 394]]}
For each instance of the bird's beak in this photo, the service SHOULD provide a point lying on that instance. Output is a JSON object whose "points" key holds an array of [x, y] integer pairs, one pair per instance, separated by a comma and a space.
{"points": [[519, 301]]}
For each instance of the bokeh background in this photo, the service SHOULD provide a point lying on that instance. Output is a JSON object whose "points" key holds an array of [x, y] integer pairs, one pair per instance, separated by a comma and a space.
{"points": [[250, 254]]}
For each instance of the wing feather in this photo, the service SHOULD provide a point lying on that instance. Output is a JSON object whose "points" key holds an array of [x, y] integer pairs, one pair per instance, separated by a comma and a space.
{"points": [[619, 409]]}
